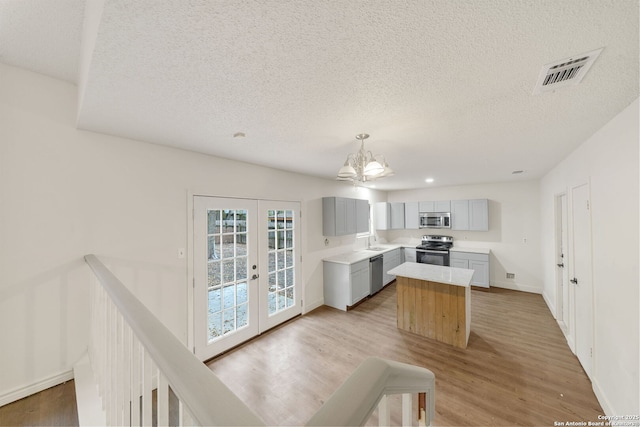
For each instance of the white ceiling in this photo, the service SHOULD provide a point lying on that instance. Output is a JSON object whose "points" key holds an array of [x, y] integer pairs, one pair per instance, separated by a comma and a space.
{"points": [[443, 87]]}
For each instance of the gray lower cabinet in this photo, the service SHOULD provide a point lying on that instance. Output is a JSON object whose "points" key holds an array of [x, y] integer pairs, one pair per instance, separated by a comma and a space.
{"points": [[390, 260], [345, 284], [410, 255], [342, 216], [479, 263]]}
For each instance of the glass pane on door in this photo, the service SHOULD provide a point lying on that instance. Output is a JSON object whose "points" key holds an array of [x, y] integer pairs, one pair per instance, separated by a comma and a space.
{"points": [[227, 272], [281, 256]]}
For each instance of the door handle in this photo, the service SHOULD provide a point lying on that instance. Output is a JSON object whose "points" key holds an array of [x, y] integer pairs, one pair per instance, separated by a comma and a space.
{"points": [[574, 281], [560, 265], [255, 276]]}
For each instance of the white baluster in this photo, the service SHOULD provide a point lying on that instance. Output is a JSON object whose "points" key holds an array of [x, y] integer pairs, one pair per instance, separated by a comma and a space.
{"points": [[163, 400], [384, 415], [407, 403], [430, 410], [147, 389], [120, 370], [126, 379], [135, 380], [109, 392], [102, 348]]}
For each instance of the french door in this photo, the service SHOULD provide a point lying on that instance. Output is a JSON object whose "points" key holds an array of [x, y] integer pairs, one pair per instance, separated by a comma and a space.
{"points": [[246, 270]]}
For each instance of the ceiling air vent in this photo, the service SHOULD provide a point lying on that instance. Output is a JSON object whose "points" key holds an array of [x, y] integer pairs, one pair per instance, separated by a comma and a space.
{"points": [[566, 72]]}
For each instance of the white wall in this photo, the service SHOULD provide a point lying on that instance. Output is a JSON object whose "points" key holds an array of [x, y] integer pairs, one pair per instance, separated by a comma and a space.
{"points": [[609, 161], [65, 193], [514, 216]]}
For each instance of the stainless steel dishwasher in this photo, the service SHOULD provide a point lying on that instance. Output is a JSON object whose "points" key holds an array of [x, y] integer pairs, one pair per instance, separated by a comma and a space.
{"points": [[375, 274]]}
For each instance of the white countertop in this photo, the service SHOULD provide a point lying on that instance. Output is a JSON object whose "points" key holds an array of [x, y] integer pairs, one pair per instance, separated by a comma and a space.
{"points": [[434, 273], [361, 255], [470, 250]]}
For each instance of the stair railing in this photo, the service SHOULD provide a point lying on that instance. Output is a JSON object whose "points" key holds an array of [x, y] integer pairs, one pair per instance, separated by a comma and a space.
{"points": [[146, 376]]}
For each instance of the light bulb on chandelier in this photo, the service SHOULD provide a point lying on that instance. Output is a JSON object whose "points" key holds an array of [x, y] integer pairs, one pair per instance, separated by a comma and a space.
{"points": [[363, 166]]}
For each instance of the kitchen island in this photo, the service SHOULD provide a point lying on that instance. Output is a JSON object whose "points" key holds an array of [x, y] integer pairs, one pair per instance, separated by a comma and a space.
{"points": [[434, 301]]}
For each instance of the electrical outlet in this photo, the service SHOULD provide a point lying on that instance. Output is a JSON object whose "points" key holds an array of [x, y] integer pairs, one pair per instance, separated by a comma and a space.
{"points": [[511, 276]]}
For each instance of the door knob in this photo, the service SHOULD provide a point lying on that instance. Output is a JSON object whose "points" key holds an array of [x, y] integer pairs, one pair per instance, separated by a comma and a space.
{"points": [[560, 265], [574, 281], [255, 276]]}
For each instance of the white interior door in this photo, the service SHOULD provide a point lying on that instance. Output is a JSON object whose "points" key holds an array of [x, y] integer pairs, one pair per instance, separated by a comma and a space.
{"points": [[581, 282], [246, 270], [226, 298]]}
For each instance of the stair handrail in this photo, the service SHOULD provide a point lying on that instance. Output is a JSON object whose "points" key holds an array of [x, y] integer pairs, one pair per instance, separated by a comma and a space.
{"points": [[355, 400], [209, 400]]}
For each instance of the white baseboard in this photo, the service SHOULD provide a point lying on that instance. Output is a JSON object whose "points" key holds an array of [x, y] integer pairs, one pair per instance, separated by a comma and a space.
{"points": [[44, 384], [602, 399], [310, 307], [552, 307], [516, 287], [90, 412]]}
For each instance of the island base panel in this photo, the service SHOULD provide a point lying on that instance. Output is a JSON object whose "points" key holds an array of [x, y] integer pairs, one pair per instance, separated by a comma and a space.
{"points": [[434, 310]]}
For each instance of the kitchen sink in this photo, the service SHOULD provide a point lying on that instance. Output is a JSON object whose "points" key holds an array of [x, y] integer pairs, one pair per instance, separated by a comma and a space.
{"points": [[376, 248]]}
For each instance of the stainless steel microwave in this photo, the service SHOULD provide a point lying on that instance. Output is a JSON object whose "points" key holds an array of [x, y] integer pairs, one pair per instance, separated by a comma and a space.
{"points": [[435, 220]]}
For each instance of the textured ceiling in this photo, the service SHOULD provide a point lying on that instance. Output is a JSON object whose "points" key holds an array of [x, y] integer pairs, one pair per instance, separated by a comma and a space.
{"points": [[443, 87]]}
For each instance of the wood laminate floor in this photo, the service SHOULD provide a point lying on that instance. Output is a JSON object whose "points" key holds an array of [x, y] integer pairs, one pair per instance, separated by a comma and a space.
{"points": [[516, 370], [55, 406]]}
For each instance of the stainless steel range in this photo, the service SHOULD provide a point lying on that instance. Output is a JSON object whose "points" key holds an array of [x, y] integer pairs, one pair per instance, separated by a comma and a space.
{"points": [[434, 249]]}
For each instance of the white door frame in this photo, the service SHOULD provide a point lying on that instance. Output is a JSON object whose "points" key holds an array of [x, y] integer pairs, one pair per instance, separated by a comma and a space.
{"points": [[563, 314], [190, 332]]}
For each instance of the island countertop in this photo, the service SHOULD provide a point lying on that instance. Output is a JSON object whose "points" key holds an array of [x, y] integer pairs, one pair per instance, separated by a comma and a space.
{"points": [[434, 273]]}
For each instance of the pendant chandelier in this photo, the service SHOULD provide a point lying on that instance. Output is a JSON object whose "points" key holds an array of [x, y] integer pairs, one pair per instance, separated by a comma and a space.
{"points": [[363, 166]]}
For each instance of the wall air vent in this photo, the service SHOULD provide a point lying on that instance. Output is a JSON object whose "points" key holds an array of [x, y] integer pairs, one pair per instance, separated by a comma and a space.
{"points": [[566, 72]]}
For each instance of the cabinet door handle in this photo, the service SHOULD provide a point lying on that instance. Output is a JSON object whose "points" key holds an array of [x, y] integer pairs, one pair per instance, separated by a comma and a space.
{"points": [[574, 281]]}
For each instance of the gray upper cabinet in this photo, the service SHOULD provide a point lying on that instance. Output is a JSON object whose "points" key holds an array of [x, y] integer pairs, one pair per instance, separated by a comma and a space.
{"points": [[435, 206], [389, 216], [362, 216], [342, 216], [479, 215], [397, 216], [350, 216], [470, 215], [411, 215], [382, 216], [459, 214], [442, 206], [427, 206]]}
